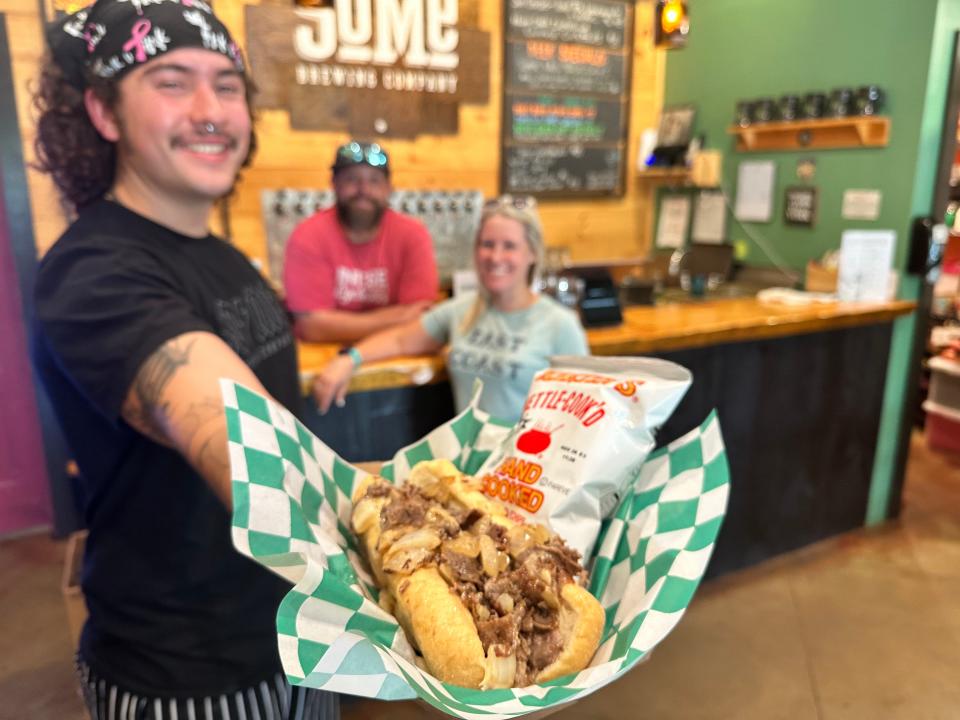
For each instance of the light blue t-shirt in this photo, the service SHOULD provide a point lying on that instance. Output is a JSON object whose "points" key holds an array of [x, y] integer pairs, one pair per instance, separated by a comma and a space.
{"points": [[504, 349]]}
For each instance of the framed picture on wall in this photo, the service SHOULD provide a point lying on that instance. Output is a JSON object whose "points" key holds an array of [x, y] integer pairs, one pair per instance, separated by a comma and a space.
{"points": [[800, 205], [676, 126]]}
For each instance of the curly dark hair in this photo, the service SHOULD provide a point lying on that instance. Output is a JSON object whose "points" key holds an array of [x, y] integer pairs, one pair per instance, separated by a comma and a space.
{"points": [[68, 147]]}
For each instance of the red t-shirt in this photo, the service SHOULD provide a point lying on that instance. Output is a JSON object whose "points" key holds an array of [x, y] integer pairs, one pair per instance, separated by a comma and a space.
{"points": [[323, 270]]}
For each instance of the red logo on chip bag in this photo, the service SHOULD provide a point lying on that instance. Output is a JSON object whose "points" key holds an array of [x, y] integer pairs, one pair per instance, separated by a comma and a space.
{"points": [[627, 388], [533, 441], [536, 440]]}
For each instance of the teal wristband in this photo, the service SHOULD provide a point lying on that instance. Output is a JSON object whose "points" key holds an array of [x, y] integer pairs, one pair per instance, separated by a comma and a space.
{"points": [[355, 356]]}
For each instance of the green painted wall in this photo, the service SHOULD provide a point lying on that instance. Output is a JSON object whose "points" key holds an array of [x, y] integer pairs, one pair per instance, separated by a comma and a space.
{"points": [[743, 49], [894, 415]]}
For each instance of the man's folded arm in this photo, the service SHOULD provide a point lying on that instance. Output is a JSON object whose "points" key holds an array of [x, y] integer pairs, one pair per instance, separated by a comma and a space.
{"points": [[343, 326]]}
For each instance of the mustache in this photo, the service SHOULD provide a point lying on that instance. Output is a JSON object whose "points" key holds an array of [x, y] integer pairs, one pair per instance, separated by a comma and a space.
{"points": [[180, 141]]}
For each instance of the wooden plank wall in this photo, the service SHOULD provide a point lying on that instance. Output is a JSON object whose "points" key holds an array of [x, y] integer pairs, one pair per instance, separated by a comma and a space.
{"points": [[592, 229], [25, 33]]}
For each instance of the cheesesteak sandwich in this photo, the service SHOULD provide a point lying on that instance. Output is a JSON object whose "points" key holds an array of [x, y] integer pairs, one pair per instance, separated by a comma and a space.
{"points": [[489, 603]]}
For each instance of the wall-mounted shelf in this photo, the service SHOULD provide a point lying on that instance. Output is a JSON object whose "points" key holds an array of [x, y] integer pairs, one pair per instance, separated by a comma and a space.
{"points": [[679, 176], [829, 133]]}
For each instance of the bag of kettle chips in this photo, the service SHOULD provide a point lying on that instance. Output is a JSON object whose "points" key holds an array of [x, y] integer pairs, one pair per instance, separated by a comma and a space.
{"points": [[587, 425]]}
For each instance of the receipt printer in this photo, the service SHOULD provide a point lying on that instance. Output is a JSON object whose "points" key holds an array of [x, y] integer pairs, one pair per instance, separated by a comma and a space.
{"points": [[599, 305]]}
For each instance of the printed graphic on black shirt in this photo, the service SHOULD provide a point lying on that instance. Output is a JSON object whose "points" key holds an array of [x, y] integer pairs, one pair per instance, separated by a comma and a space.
{"points": [[488, 353], [253, 324]]}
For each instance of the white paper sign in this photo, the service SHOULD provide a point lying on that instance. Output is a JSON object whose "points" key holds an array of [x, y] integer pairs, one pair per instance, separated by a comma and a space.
{"points": [[709, 218], [861, 204], [755, 191], [464, 281], [674, 217], [866, 258]]}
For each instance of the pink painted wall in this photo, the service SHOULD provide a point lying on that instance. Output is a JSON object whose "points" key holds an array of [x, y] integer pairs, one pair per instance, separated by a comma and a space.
{"points": [[24, 492]]}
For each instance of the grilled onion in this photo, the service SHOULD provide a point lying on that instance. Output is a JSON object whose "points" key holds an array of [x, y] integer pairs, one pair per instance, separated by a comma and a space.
{"points": [[521, 537], [493, 561], [404, 562], [422, 538], [499, 671], [365, 514], [389, 537], [505, 603], [550, 598], [442, 520], [465, 544], [431, 483]]}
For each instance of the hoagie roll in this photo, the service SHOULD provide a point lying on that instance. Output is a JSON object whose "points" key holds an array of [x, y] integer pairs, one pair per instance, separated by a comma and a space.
{"points": [[489, 603]]}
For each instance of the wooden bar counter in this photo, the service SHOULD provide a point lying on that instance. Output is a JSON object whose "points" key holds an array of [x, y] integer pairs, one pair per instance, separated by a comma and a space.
{"points": [[648, 329], [799, 392], [696, 324]]}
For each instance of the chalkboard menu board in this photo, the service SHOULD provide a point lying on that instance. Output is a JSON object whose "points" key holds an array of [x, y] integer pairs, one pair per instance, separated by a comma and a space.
{"points": [[566, 96]]}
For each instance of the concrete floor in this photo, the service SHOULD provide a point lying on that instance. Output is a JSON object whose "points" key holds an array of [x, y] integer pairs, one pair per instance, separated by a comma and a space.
{"points": [[865, 626]]}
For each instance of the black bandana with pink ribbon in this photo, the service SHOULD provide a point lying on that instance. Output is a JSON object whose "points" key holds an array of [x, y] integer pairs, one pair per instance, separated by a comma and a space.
{"points": [[112, 37]]}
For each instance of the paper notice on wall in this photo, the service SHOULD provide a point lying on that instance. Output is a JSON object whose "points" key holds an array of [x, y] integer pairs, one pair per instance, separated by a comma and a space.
{"points": [[861, 204], [709, 218], [464, 281], [755, 191], [866, 259], [674, 217]]}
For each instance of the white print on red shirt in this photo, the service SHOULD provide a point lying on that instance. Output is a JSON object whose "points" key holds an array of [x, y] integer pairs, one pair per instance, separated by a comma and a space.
{"points": [[368, 287]]}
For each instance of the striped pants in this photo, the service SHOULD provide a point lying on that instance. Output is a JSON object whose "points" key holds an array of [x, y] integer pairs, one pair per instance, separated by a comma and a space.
{"points": [[273, 699]]}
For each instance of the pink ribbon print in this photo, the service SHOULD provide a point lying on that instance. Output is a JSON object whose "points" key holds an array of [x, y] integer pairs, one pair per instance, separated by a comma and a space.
{"points": [[88, 36], [140, 31]]}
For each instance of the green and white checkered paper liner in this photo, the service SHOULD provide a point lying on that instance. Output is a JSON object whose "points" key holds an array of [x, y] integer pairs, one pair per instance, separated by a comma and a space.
{"points": [[291, 496]]}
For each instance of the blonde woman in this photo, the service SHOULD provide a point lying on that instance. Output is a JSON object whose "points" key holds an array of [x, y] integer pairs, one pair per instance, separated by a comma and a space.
{"points": [[502, 335]]}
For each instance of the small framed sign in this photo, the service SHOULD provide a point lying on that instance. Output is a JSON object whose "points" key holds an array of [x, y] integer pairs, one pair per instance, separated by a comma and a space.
{"points": [[800, 205], [676, 126]]}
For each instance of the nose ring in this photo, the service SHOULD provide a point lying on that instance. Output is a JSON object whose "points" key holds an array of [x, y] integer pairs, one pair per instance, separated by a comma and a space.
{"points": [[210, 128]]}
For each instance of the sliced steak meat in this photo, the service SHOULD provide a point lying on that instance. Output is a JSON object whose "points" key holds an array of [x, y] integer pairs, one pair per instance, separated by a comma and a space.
{"points": [[378, 489], [503, 583], [467, 518], [406, 507], [544, 649], [530, 583], [465, 569], [525, 674], [498, 533], [567, 559], [503, 632], [543, 618]]}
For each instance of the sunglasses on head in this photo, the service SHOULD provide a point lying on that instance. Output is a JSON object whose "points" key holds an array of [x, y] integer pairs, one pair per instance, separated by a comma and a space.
{"points": [[369, 153], [520, 202]]}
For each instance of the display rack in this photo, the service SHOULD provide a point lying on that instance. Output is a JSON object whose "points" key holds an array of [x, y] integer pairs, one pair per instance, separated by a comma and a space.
{"points": [[830, 133]]}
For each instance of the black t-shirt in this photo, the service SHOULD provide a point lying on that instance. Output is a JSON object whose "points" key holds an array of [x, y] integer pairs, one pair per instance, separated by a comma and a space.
{"points": [[175, 610]]}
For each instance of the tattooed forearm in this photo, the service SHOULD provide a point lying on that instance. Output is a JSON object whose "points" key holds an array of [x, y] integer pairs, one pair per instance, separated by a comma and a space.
{"points": [[207, 436], [211, 459], [175, 400], [146, 410]]}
